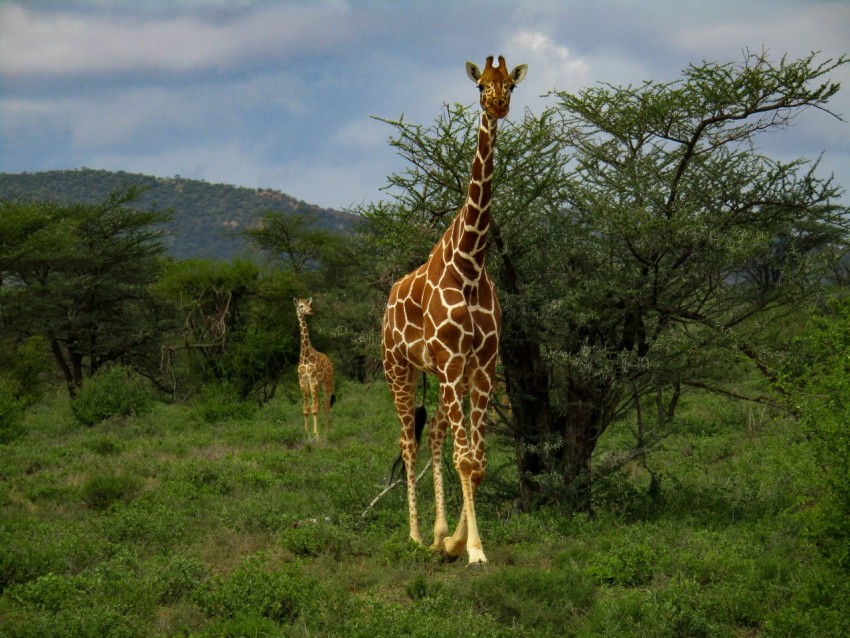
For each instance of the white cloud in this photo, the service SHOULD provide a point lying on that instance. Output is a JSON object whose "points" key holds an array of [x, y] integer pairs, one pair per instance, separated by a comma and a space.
{"points": [[551, 65], [35, 42], [19, 112], [796, 30], [278, 94], [138, 116], [362, 133]]}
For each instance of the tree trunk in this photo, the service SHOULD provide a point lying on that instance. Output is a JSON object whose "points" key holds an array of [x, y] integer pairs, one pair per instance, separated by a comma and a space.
{"points": [[59, 355], [554, 434], [553, 449], [581, 428]]}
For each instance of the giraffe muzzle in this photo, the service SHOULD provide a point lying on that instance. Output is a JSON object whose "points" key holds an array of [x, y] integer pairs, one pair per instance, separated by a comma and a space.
{"points": [[499, 107]]}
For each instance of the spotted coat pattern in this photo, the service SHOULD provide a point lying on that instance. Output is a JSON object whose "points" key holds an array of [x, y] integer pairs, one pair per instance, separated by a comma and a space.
{"points": [[315, 371], [444, 319]]}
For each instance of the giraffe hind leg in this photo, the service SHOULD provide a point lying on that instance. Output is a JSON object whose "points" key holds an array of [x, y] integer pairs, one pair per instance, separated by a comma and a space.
{"points": [[436, 436], [403, 397], [330, 399]]}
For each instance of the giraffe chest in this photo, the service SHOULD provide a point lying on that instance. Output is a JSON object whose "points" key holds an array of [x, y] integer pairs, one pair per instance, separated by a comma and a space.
{"points": [[310, 362], [428, 316]]}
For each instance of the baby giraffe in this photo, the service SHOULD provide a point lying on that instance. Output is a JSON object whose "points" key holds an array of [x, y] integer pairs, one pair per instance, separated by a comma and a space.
{"points": [[314, 370]]}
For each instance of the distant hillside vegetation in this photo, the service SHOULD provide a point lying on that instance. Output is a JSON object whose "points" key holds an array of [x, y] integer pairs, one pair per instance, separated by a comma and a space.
{"points": [[207, 217]]}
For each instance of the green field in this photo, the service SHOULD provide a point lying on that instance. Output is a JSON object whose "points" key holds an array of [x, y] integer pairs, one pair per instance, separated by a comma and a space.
{"points": [[204, 520]]}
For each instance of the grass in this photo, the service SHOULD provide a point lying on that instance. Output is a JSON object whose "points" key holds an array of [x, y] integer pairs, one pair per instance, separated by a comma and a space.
{"points": [[168, 523]]}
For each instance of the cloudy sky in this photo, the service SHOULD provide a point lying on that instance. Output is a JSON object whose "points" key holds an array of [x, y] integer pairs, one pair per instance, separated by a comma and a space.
{"points": [[280, 94]]}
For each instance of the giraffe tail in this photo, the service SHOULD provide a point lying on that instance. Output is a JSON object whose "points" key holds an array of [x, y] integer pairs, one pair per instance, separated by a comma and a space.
{"points": [[333, 399]]}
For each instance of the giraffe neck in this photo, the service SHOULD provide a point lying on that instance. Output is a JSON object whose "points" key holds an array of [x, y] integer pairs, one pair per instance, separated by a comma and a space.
{"points": [[469, 232], [306, 348]]}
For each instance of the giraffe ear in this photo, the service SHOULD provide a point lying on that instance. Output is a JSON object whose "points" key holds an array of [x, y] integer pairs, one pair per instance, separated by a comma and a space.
{"points": [[518, 74], [295, 300], [473, 71], [309, 301]]}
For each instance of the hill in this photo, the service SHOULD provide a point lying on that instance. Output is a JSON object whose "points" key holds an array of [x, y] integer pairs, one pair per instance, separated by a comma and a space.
{"points": [[207, 217]]}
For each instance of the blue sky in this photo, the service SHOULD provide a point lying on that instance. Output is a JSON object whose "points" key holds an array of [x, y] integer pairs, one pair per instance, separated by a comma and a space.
{"points": [[279, 94]]}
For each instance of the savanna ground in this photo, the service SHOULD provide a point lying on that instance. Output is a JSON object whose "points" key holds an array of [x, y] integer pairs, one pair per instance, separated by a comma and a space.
{"points": [[211, 519]]}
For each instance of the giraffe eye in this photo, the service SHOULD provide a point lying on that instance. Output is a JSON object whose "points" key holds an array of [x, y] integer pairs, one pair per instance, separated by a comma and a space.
{"points": [[481, 88]]}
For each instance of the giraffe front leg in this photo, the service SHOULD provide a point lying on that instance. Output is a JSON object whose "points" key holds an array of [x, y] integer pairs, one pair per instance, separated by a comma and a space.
{"points": [[466, 536], [314, 399], [305, 396], [471, 464], [451, 400]]}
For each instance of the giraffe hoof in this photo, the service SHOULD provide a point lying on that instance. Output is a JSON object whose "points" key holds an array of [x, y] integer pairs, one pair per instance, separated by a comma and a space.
{"points": [[477, 565], [448, 558]]}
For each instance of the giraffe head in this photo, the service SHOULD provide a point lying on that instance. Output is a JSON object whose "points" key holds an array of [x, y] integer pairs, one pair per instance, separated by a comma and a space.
{"points": [[302, 306], [496, 84]]}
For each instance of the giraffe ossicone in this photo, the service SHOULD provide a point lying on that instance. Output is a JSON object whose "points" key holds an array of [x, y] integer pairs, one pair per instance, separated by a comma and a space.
{"points": [[315, 371], [444, 319]]}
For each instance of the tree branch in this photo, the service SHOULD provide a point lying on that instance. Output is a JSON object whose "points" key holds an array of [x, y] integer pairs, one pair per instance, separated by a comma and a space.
{"points": [[391, 487]]}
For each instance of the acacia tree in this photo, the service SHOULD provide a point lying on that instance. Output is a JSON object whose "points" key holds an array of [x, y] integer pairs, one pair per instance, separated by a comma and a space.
{"points": [[641, 246], [79, 275], [237, 326], [293, 239]]}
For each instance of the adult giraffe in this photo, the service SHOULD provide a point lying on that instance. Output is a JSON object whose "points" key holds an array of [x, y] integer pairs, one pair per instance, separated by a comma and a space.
{"points": [[314, 370], [444, 319]]}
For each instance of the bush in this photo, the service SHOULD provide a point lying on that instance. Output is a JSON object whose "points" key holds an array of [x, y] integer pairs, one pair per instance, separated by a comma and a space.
{"points": [[28, 367], [627, 566], [531, 598], [112, 391], [220, 402], [10, 413], [181, 578], [256, 590], [822, 388], [102, 490]]}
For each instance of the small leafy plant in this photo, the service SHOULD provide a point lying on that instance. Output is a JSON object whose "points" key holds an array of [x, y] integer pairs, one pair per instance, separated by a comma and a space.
{"points": [[110, 392]]}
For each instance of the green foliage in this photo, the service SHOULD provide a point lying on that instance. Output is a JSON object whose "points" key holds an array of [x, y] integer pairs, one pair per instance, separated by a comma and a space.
{"points": [[11, 412], [820, 381], [78, 275], [819, 605], [281, 594], [181, 578], [27, 368], [166, 524], [113, 391], [30, 548], [532, 598], [314, 538], [103, 489], [221, 402], [294, 239], [629, 566], [62, 606], [237, 326], [640, 245]]}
